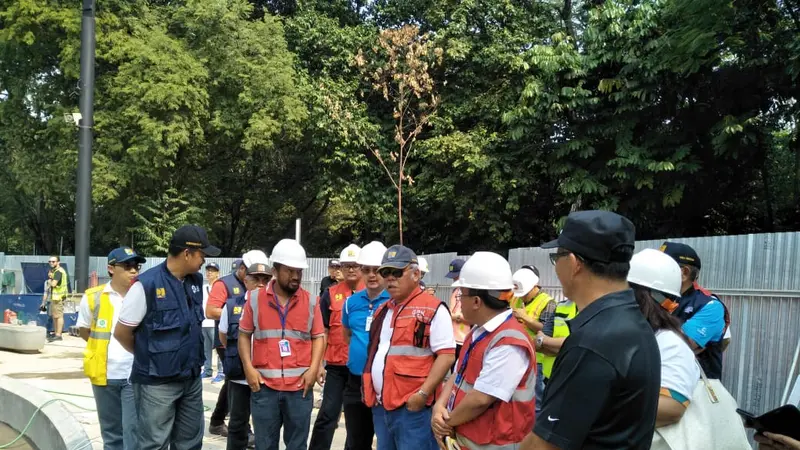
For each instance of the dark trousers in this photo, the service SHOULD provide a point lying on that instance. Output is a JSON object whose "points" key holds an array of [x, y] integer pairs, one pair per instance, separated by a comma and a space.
{"points": [[239, 422], [357, 416], [331, 408], [273, 409], [221, 410]]}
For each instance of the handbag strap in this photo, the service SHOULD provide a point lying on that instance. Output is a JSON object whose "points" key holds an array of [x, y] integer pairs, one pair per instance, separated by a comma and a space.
{"points": [[712, 396]]}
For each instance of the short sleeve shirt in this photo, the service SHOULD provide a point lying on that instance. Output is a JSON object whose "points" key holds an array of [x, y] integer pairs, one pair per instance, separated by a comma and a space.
{"points": [[603, 392], [357, 309]]}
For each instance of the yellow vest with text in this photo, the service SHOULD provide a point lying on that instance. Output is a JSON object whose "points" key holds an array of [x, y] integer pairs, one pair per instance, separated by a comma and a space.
{"points": [[534, 309], [95, 358], [60, 292]]}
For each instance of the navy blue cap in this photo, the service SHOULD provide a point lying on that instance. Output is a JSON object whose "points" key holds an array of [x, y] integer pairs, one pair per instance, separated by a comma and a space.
{"points": [[213, 265], [124, 254], [236, 263], [601, 236], [195, 237], [455, 268], [398, 257], [681, 253]]}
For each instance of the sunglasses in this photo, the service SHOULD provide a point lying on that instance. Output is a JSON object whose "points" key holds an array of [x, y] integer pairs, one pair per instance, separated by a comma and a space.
{"points": [[129, 267], [387, 272], [350, 266], [554, 257]]}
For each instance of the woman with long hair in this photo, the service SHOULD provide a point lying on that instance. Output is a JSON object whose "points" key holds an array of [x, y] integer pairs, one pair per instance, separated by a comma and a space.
{"points": [[656, 280]]}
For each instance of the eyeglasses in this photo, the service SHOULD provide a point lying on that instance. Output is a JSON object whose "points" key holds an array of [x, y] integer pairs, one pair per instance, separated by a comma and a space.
{"points": [[129, 267], [350, 266], [556, 255], [366, 270], [387, 272]]}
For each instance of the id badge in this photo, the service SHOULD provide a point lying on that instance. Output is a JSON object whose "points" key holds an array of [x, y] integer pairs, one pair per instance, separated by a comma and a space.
{"points": [[451, 402], [369, 323], [284, 347]]}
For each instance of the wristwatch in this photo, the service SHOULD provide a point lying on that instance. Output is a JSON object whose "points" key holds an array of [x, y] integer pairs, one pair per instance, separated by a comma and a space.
{"points": [[423, 393], [539, 341]]}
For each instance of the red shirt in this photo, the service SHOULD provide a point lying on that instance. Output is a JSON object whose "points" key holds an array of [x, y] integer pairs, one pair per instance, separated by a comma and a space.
{"points": [[218, 295]]}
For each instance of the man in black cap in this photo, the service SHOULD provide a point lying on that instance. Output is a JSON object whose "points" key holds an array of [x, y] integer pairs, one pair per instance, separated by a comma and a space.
{"points": [[160, 322], [603, 391], [705, 318], [333, 268]]}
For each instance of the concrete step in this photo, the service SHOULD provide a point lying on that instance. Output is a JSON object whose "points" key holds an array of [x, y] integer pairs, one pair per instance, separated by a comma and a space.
{"points": [[22, 338]]}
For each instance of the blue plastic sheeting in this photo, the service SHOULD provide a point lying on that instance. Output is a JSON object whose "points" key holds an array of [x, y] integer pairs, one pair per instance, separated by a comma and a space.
{"points": [[27, 309], [35, 274]]}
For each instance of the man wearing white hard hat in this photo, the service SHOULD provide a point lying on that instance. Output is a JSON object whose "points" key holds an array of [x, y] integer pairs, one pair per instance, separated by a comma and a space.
{"points": [[535, 310], [333, 376], [424, 269], [490, 401], [283, 324], [357, 316]]}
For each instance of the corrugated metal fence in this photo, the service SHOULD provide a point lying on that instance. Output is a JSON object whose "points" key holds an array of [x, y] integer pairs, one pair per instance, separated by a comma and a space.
{"points": [[757, 276]]}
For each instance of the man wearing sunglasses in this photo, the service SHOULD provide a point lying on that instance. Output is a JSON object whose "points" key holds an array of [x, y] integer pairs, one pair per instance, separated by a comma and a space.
{"points": [[490, 400], [56, 291], [333, 376], [605, 384], [106, 362], [411, 349]]}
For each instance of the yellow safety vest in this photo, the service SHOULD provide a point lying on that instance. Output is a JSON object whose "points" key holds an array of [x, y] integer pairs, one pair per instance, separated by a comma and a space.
{"points": [[95, 358], [565, 310], [60, 292], [534, 309]]}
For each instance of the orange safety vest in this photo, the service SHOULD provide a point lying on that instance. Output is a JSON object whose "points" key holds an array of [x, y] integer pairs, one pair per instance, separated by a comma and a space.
{"points": [[504, 423], [281, 373], [410, 358], [336, 352]]}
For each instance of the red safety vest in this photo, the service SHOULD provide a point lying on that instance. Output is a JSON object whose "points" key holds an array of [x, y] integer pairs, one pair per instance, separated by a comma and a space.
{"points": [[504, 423], [410, 359], [336, 352], [281, 373]]}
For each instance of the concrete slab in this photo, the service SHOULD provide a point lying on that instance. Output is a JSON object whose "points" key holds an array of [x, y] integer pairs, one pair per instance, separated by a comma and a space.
{"points": [[22, 338], [58, 370]]}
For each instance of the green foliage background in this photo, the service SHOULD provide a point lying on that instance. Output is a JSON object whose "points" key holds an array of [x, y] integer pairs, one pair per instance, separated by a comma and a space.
{"points": [[241, 116]]}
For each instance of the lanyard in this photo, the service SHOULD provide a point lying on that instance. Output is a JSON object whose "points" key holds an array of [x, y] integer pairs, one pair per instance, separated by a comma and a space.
{"points": [[463, 366], [282, 313]]}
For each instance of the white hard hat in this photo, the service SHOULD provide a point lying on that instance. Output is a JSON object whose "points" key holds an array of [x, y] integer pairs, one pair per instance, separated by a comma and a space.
{"points": [[349, 254], [255, 257], [423, 264], [524, 281], [653, 269], [372, 254], [486, 270], [289, 253]]}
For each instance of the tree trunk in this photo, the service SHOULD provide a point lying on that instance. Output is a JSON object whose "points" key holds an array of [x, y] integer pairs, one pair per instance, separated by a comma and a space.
{"points": [[400, 205], [770, 225]]}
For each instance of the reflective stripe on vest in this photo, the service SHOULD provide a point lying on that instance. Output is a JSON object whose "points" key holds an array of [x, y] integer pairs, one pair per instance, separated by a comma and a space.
{"points": [[280, 373], [409, 350], [263, 334], [95, 359]]}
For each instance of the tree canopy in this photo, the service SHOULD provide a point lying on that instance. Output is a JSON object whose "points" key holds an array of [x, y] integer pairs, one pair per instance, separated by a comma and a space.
{"points": [[242, 116]]}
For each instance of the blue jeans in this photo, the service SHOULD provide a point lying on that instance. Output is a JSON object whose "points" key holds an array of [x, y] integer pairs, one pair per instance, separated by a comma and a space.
{"points": [[539, 388], [402, 429], [170, 415], [208, 348], [117, 414], [272, 409]]}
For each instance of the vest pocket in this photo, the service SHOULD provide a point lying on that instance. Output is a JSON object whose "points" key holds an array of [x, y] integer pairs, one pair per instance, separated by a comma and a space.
{"points": [[164, 343]]}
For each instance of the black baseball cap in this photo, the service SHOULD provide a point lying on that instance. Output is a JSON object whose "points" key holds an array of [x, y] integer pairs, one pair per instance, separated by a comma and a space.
{"points": [[398, 257], [212, 265], [125, 254], [681, 253], [259, 269], [194, 237], [455, 268], [601, 236]]}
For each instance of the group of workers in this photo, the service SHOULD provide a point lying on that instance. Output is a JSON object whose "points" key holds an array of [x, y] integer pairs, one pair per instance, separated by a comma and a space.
{"points": [[501, 365]]}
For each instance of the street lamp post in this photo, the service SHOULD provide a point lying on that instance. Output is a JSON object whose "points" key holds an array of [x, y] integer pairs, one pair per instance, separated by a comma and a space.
{"points": [[83, 207]]}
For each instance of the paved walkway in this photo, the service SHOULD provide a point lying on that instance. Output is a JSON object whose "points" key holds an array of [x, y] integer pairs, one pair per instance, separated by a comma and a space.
{"points": [[59, 368]]}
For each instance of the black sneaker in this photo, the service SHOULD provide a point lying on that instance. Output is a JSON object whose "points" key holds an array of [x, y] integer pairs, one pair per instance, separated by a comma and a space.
{"points": [[54, 338], [219, 430]]}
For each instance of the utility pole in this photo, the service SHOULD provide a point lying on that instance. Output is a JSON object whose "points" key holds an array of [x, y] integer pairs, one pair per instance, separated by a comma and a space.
{"points": [[83, 209]]}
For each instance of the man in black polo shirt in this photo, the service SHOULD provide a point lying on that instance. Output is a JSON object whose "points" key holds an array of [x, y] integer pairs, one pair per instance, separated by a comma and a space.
{"points": [[603, 391]]}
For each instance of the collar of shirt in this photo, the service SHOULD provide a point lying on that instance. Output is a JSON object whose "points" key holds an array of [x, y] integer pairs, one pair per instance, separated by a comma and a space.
{"points": [[362, 294], [110, 290], [601, 304], [493, 323]]}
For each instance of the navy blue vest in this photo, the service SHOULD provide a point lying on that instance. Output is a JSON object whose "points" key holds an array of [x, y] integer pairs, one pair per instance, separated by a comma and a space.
{"points": [[235, 290], [232, 363], [169, 341], [689, 304]]}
